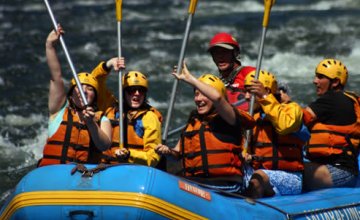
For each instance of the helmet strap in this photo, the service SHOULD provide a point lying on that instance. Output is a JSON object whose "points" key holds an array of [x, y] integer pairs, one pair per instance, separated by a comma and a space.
{"points": [[335, 84], [237, 56], [231, 77]]}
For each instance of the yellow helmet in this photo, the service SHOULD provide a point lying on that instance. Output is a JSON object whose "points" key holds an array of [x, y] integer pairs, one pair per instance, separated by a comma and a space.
{"points": [[333, 69], [135, 78], [88, 79], [266, 78], [214, 82]]}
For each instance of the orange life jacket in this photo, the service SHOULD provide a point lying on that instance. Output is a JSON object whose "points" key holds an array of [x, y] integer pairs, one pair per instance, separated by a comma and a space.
{"points": [[329, 140], [132, 140], [70, 143], [273, 151], [209, 153]]}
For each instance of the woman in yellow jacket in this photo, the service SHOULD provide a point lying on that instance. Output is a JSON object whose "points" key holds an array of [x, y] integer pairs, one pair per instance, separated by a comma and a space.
{"points": [[141, 121]]}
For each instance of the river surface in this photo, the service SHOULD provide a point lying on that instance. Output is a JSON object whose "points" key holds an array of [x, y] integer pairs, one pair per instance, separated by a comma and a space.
{"points": [[300, 34]]}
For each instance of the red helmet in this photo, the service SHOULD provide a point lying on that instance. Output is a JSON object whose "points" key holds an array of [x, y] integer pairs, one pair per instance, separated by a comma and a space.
{"points": [[224, 40]]}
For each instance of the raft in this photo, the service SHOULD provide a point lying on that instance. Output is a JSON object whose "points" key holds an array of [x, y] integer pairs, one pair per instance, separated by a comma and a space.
{"points": [[129, 191]]}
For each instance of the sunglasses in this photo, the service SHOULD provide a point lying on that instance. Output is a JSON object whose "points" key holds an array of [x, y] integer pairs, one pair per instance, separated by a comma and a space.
{"points": [[133, 89]]}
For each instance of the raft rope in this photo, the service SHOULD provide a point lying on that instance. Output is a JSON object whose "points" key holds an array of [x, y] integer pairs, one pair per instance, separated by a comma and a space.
{"points": [[89, 173]]}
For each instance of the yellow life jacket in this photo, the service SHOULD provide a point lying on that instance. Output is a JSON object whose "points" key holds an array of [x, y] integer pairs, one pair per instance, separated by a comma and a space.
{"points": [[208, 151], [70, 143], [327, 140], [273, 151]]}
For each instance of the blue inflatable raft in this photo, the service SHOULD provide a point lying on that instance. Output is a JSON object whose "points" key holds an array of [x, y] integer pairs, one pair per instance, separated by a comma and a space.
{"points": [[139, 192]]}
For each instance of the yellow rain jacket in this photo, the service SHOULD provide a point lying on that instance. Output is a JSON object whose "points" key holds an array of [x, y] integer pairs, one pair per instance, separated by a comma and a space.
{"points": [[285, 118], [105, 98], [143, 135]]}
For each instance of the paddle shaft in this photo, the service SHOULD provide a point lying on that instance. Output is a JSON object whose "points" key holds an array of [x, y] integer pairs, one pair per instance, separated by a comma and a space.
{"points": [[179, 68], [176, 130], [121, 95], [78, 84], [268, 4], [252, 99], [258, 67]]}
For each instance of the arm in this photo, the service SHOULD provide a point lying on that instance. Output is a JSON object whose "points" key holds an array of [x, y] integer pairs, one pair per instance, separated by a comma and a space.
{"points": [[101, 135], [309, 116], [223, 107], [101, 72], [151, 138], [57, 95], [165, 150], [286, 118]]}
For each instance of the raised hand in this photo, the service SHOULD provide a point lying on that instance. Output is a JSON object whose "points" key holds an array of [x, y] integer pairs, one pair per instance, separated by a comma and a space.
{"points": [[257, 88], [117, 63], [184, 74], [54, 36]]}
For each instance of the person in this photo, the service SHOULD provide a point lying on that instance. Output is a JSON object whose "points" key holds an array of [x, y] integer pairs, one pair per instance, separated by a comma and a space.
{"points": [[225, 52], [77, 133], [275, 147], [142, 124], [210, 144], [334, 121]]}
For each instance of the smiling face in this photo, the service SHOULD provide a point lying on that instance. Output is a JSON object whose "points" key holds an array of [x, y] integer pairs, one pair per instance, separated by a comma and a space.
{"points": [[135, 96], [203, 104], [322, 84], [223, 58]]}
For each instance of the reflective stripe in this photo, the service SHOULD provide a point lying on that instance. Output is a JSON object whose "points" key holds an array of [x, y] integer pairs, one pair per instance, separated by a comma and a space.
{"points": [[97, 198]]}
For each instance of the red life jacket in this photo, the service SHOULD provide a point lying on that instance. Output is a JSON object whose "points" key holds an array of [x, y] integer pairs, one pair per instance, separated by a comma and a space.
{"points": [[70, 143], [273, 151], [208, 153], [235, 87], [327, 140]]}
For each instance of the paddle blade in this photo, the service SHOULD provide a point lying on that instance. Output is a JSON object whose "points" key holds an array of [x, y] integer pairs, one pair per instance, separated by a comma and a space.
{"points": [[192, 6], [268, 4], [118, 10]]}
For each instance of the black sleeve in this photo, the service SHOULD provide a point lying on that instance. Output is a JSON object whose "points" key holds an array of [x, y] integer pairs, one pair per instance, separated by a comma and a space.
{"points": [[322, 107], [105, 67]]}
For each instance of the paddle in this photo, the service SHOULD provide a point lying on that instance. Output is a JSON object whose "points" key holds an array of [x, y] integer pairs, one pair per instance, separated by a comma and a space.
{"points": [[121, 110], [191, 11], [268, 4], [78, 84]]}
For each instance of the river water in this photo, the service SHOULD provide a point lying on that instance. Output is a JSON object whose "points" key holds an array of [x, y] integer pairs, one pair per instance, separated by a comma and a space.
{"points": [[300, 34]]}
